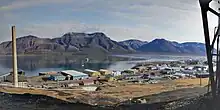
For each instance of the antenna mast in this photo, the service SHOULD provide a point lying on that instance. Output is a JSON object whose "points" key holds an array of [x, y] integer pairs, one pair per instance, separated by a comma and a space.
{"points": [[214, 77]]}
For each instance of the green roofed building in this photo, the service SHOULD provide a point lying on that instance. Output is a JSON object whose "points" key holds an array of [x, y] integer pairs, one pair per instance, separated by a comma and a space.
{"points": [[74, 75]]}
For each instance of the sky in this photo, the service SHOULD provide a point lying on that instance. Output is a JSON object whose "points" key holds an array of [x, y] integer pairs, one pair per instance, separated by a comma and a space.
{"points": [[176, 20]]}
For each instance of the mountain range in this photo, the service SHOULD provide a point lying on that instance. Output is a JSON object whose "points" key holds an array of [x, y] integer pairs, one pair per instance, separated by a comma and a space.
{"points": [[98, 43]]}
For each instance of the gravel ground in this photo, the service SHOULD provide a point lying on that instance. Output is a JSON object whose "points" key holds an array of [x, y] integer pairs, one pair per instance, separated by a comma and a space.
{"points": [[183, 99], [171, 100], [37, 102]]}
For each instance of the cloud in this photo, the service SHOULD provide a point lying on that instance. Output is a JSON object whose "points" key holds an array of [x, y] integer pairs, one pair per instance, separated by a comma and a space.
{"points": [[18, 4], [57, 29], [178, 20]]}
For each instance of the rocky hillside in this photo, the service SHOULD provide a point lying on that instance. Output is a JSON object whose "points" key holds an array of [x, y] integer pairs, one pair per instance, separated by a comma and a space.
{"points": [[98, 43], [70, 42], [133, 43], [162, 45], [31, 44]]}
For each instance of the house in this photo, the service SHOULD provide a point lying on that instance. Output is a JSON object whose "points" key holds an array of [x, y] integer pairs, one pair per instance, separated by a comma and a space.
{"points": [[92, 73], [129, 72], [214, 68], [3, 77], [140, 69], [145, 76], [134, 81], [87, 82], [172, 77], [188, 71], [104, 72], [47, 73], [200, 68], [20, 72], [151, 67], [162, 67], [74, 75], [57, 77], [176, 69], [180, 75], [90, 88], [71, 83], [155, 77], [189, 68], [116, 73], [109, 77], [8, 77], [21, 78], [101, 80], [192, 62], [202, 75], [167, 71], [129, 77]]}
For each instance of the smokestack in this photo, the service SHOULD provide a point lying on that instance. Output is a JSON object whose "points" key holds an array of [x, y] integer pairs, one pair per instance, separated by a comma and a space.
{"points": [[14, 52]]}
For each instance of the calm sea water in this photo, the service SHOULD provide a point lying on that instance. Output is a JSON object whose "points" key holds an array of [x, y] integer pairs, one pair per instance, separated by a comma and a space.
{"points": [[32, 65]]}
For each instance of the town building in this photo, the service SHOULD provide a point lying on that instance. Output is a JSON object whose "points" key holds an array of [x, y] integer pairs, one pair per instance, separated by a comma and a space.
{"points": [[87, 82], [21, 78], [140, 69], [47, 73], [3, 77], [129, 72], [104, 72], [116, 73], [57, 77], [8, 77], [74, 75], [92, 73]]}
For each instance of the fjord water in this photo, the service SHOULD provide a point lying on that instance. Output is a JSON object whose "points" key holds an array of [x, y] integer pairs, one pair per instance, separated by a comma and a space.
{"points": [[32, 65]]}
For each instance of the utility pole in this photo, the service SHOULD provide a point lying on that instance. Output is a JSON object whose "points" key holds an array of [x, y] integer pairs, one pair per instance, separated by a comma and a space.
{"points": [[214, 78], [14, 56]]}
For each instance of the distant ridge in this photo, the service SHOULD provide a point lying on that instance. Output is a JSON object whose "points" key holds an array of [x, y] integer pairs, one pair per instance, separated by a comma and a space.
{"points": [[162, 45], [133, 43], [98, 43]]}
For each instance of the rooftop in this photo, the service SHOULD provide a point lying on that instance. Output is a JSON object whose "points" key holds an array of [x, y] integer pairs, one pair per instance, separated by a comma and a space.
{"points": [[74, 73], [5, 74], [88, 70], [56, 75], [104, 70]]}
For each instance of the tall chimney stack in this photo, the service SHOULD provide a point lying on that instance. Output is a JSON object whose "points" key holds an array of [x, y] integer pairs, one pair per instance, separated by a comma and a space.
{"points": [[14, 52]]}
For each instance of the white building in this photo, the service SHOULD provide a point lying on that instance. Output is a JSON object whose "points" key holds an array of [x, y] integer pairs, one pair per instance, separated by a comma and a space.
{"points": [[116, 73]]}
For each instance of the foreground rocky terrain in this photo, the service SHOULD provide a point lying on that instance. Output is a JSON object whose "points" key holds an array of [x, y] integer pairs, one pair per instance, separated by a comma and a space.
{"points": [[38, 102], [111, 96], [183, 99]]}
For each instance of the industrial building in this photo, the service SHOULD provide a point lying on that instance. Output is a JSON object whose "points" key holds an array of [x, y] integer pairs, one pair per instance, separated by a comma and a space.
{"points": [[104, 72], [3, 77], [57, 77], [74, 75], [21, 78], [92, 73]]}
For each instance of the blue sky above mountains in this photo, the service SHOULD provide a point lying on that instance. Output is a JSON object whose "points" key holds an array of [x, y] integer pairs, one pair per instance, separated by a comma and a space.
{"points": [[178, 20]]}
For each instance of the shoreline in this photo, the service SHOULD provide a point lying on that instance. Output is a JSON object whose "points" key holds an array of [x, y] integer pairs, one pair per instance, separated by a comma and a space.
{"points": [[115, 92]]}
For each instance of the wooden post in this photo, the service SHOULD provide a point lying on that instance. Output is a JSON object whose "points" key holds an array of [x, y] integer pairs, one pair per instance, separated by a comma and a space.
{"points": [[14, 55], [200, 81]]}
